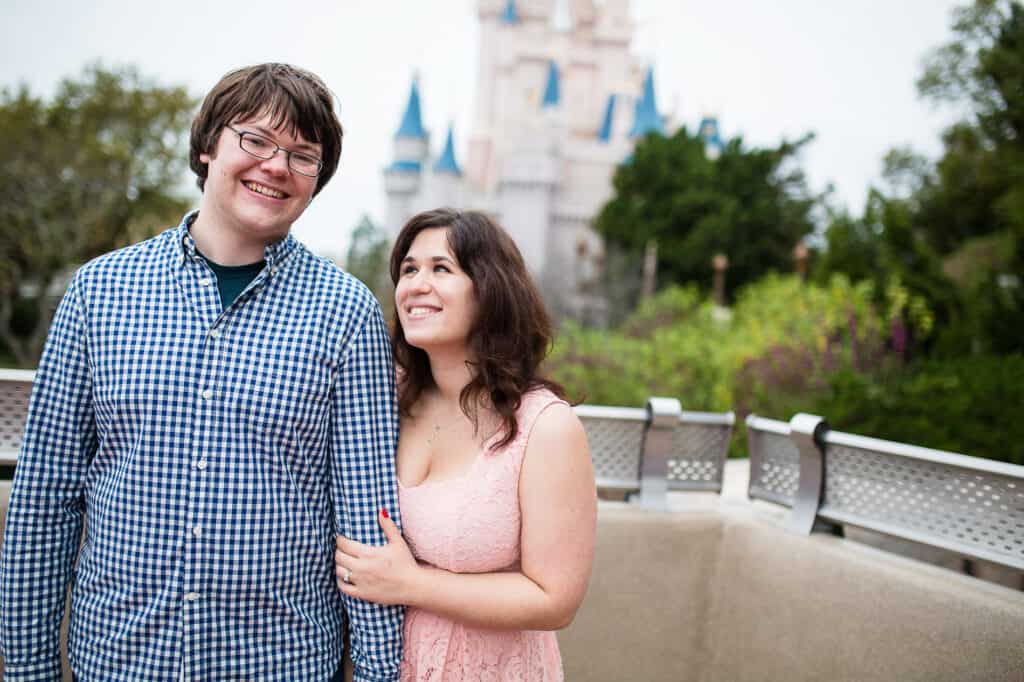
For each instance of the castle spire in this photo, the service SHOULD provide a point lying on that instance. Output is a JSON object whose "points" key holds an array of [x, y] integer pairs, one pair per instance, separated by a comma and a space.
{"points": [[447, 163], [412, 121], [510, 15], [552, 91], [605, 134], [646, 118]]}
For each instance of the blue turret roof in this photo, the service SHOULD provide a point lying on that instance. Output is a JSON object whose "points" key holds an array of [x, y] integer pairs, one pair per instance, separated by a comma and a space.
{"points": [[709, 133], [412, 121], [605, 134], [551, 90], [510, 15], [447, 163], [645, 115]]}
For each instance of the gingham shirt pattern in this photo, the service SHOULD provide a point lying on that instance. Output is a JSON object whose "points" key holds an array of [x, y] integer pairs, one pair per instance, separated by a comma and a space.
{"points": [[213, 454]]}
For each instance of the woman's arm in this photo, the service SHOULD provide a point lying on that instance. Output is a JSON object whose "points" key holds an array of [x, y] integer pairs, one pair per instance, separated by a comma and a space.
{"points": [[557, 499]]}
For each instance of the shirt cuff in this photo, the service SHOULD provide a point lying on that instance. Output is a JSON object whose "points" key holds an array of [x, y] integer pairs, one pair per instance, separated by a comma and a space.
{"points": [[36, 671], [364, 675]]}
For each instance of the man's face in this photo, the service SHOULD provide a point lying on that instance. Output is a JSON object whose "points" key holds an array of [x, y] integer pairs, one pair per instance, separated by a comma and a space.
{"points": [[257, 198]]}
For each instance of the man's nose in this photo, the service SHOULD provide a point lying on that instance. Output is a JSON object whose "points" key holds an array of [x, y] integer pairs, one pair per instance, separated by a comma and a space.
{"points": [[277, 164]]}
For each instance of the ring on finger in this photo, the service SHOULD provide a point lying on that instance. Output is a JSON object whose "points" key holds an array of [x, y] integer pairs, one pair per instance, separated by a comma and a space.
{"points": [[346, 577]]}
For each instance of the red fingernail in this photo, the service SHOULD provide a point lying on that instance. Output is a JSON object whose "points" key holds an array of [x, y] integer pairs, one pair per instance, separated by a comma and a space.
{"points": [[384, 513]]}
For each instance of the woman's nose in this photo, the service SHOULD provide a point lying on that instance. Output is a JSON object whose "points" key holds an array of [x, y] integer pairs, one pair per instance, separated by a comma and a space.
{"points": [[421, 281]]}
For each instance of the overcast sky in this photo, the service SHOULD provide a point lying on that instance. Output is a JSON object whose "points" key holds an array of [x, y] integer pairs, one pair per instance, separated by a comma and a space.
{"points": [[843, 69]]}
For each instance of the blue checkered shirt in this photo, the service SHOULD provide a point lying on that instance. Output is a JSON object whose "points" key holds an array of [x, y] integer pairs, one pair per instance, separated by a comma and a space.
{"points": [[213, 454]]}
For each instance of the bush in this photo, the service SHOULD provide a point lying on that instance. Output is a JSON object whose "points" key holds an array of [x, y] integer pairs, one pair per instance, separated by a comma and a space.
{"points": [[773, 353], [969, 405]]}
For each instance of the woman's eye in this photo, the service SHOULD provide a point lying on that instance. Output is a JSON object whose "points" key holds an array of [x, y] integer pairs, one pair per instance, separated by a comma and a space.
{"points": [[441, 268]]}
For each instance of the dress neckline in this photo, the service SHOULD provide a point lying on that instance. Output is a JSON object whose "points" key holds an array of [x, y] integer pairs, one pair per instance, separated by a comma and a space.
{"points": [[461, 476]]}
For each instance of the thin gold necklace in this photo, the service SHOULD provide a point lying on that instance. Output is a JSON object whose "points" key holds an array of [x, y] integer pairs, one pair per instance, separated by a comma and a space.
{"points": [[436, 429]]}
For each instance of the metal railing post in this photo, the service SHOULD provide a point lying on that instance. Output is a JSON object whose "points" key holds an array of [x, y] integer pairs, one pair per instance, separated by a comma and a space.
{"points": [[807, 432], [662, 418]]}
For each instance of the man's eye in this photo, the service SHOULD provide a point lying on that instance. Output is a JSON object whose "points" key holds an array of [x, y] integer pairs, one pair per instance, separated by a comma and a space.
{"points": [[258, 142]]}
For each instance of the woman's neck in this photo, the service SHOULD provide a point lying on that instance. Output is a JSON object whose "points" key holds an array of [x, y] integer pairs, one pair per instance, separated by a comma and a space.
{"points": [[451, 373]]}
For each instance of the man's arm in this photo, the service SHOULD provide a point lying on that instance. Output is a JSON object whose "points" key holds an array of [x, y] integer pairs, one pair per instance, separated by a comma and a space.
{"points": [[44, 519], [364, 436]]}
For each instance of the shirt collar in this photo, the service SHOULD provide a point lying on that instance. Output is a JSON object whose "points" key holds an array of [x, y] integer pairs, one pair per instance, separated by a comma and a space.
{"points": [[274, 254]]}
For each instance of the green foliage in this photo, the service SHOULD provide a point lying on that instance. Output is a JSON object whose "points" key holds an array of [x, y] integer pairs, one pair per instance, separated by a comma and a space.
{"points": [[678, 344], [978, 413], [936, 225], [774, 355], [367, 259], [94, 168], [750, 204], [790, 347]]}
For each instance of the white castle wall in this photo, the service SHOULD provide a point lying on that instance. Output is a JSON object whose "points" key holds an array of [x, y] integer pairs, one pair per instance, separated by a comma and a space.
{"points": [[541, 172]]}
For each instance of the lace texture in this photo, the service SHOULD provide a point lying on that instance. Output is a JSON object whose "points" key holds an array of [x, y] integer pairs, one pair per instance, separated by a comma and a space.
{"points": [[471, 524]]}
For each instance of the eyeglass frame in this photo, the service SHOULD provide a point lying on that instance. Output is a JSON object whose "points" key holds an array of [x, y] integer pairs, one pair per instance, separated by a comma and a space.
{"points": [[277, 148]]}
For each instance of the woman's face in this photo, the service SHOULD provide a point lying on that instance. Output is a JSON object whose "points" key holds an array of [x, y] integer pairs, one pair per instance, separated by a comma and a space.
{"points": [[434, 297]]}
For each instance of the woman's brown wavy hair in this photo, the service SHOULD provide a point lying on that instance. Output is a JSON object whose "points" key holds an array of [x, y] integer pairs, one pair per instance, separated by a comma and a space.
{"points": [[512, 333]]}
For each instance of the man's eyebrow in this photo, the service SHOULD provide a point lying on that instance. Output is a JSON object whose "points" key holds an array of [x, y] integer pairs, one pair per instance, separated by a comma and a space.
{"points": [[266, 132]]}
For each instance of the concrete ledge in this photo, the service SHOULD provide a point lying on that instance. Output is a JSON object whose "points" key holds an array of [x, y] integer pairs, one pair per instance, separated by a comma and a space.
{"points": [[726, 593]]}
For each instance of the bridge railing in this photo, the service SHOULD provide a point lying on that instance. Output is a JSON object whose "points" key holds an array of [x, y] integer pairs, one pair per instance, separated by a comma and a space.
{"points": [[15, 388], [967, 505]]}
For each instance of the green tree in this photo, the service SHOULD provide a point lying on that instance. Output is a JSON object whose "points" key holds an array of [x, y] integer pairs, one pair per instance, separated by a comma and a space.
{"points": [[978, 199], [367, 259], [750, 204], [953, 231], [94, 168]]}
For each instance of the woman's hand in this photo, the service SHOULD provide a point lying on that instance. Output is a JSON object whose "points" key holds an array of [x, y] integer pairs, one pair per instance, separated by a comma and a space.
{"points": [[384, 575]]}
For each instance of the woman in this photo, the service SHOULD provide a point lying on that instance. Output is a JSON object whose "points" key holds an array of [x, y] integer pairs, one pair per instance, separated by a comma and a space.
{"points": [[495, 482]]}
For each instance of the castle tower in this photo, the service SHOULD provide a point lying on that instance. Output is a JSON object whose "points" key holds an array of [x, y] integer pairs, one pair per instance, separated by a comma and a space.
{"points": [[445, 179], [708, 131], [560, 102], [403, 179]]}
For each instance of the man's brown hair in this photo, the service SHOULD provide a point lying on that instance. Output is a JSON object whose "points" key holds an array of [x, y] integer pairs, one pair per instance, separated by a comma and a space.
{"points": [[292, 97]]}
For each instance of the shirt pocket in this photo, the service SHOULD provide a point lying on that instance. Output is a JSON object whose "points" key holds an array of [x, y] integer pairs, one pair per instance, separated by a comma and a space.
{"points": [[286, 395]]}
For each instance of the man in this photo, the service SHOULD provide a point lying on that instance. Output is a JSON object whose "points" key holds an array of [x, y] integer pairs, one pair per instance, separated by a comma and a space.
{"points": [[217, 403]]}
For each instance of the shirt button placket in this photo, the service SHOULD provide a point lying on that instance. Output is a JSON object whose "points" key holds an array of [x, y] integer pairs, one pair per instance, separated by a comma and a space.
{"points": [[196, 583]]}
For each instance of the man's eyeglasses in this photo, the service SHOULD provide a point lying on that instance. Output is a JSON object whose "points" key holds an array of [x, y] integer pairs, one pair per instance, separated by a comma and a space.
{"points": [[265, 148]]}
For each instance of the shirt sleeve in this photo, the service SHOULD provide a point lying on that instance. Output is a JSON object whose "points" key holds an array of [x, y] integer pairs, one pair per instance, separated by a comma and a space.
{"points": [[364, 437], [44, 519]]}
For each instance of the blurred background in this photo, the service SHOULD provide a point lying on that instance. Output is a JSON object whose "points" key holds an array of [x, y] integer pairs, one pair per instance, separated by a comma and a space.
{"points": [[758, 207]]}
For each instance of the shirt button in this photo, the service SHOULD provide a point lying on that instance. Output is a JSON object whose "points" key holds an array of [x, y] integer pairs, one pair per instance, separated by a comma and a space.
{"points": [[205, 282], [191, 596], [197, 531], [201, 465], [206, 394], [214, 333]]}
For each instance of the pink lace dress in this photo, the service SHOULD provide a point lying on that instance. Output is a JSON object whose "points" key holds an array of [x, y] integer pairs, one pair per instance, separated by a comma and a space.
{"points": [[471, 524]]}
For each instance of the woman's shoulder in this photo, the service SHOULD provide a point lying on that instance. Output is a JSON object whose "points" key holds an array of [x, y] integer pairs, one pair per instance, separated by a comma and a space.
{"points": [[540, 403], [539, 396]]}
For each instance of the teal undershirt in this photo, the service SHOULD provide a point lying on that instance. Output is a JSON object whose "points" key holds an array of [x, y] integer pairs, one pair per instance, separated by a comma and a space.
{"points": [[233, 279]]}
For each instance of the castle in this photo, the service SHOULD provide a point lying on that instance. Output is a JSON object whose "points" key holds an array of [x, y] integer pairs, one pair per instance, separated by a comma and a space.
{"points": [[560, 103]]}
